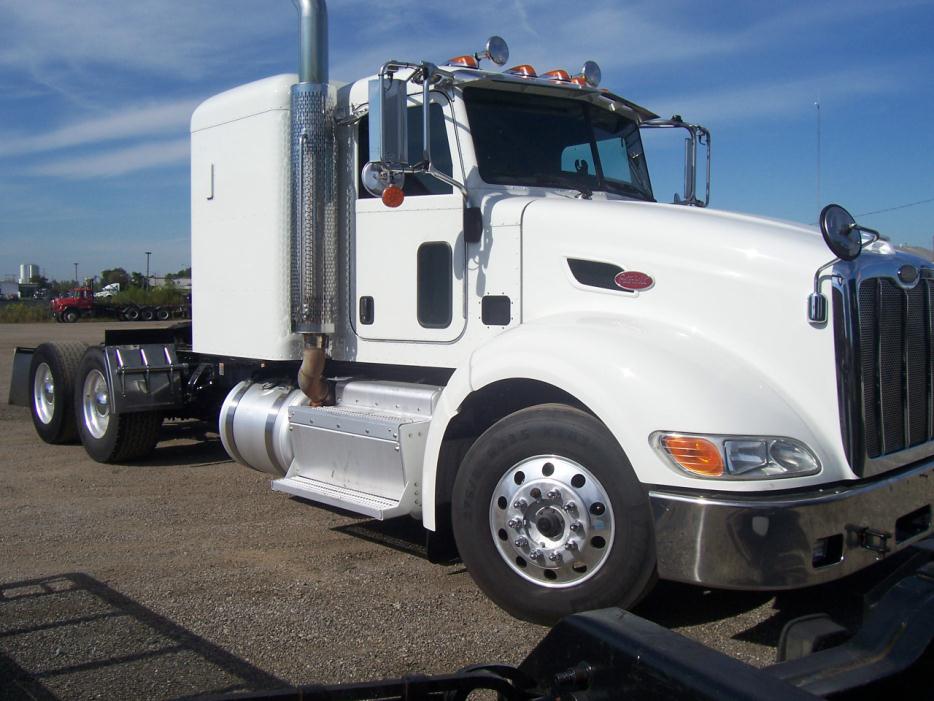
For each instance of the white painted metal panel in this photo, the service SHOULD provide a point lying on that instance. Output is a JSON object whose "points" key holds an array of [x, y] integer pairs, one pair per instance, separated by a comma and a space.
{"points": [[240, 223]]}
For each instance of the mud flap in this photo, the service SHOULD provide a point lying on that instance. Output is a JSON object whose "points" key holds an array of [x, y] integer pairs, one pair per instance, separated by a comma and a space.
{"points": [[19, 381]]}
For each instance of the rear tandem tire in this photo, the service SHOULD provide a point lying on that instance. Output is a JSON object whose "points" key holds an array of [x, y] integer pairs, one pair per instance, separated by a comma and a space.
{"points": [[109, 437], [163, 314], [51, 390], [131, 313], [147, 314]]}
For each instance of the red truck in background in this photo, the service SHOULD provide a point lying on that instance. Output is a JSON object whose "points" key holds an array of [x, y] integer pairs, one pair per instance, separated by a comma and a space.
{"points": [[81, 302]]}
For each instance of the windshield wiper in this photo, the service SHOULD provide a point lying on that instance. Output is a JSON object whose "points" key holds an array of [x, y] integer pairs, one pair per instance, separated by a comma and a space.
{"points": [[624, 188], [557, 181]]}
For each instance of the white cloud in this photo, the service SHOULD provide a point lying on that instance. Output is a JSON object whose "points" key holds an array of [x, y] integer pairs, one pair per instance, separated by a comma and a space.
{"points": [[117, 162], [777, 98], [158, 118]]}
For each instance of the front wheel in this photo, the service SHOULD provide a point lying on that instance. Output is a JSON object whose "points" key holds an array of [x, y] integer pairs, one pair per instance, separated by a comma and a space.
{"points": [[70, 316], [550, 518], [108, 437]]}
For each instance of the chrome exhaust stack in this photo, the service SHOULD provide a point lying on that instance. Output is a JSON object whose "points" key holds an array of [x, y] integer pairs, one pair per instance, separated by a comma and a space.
{"points": [[314, 194]]}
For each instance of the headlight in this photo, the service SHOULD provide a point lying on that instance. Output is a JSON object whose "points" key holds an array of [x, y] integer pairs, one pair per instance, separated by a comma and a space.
{"points": [[736, 457]]}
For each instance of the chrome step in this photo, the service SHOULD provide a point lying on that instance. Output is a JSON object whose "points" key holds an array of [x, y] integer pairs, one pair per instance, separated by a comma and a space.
{"points": [[359, 502], [364, 454]]}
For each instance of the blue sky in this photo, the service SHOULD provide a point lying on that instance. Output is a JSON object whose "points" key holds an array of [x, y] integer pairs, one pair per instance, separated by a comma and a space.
{"points": [[95, 98]]}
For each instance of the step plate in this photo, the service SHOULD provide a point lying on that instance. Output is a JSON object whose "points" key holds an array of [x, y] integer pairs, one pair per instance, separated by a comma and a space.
{"points": [[352, 500]]}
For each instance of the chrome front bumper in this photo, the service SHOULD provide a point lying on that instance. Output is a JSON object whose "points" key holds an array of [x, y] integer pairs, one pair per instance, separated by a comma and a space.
{"points": [[797, 539]]}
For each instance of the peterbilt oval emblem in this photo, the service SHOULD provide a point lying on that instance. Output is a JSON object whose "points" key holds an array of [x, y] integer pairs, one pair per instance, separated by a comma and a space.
{"points": [[633, 280], [908, 274]]}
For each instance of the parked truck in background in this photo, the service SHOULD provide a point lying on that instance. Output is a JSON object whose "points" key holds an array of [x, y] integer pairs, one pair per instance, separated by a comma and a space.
{"points": [[84, 302], [469, 308]]}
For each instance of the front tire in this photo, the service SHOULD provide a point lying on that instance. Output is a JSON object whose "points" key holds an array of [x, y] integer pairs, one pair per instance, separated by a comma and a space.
{"points": [[108, 437], [70, 316], [549, 517], [51, 382]]}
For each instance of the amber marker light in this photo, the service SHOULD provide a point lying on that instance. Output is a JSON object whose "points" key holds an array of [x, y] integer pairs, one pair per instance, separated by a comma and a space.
{"points": [[558, 74], [465, 61], [694, 454], [393, 196], [524, 70]]}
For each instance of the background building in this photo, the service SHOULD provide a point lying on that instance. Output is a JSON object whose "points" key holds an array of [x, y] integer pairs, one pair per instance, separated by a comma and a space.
{"points": [[27, 271]]}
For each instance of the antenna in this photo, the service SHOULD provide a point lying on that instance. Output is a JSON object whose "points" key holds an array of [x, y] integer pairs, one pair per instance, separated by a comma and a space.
{"points": [[817, 105]]}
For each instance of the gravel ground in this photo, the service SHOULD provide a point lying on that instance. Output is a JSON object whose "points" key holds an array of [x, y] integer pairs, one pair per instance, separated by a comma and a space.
{"points": [[185, 574]]}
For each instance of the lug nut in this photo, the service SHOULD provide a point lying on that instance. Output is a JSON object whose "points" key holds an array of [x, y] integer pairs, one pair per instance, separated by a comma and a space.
{"points": [[576, 526], [521, 542], [555, 557], [519, 504], [570, 506], [515, 523], [571, 545], [554, 494], [535, 554]]}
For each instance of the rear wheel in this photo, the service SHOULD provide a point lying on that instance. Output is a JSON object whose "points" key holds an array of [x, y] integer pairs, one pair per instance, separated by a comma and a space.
{"points": [[147, 314], [106, 436], [550, 518], [131, 313], [52, 374], [163, 314]]}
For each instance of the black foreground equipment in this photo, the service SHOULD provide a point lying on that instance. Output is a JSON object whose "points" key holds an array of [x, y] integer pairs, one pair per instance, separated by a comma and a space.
{"points": [[614, 654]]}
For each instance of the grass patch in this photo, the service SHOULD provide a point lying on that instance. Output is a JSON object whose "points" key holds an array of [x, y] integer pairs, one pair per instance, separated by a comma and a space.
{"points": [[23, 313]]}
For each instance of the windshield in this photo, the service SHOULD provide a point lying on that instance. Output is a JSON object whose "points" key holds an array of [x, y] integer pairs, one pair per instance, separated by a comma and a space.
{"points": [[524, 139]]}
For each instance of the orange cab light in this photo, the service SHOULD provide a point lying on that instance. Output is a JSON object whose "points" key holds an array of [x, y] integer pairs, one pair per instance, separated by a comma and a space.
{"points": [[696, 455], [524, 70], [579, 80], [557, 74], [393, 196], [466, 61]]}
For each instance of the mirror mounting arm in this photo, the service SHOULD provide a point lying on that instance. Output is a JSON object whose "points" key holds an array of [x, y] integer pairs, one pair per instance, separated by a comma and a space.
{"points": [[698, 136]]}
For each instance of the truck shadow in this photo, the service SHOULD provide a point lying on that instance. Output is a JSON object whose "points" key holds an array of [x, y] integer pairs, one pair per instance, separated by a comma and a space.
{"points": [[70, 635], [185, 444]]}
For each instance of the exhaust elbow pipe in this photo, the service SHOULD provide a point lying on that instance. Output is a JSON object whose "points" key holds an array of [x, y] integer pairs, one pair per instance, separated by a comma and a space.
{"points": [[313, 41], [310, 375]]}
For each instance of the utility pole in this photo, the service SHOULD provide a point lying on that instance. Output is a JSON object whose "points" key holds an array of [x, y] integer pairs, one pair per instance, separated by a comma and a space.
{"points": [[76, 274], [148, 253]]}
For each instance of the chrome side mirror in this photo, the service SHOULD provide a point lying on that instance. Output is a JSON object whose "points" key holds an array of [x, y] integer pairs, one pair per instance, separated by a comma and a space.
{"points": [[697, 136], [388, 128], [842, 234], [844, 238]]}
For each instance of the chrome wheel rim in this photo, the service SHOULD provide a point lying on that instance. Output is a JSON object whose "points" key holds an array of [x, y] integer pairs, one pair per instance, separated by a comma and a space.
{"points": [[43, 393], [552, 521], [96, 404]]}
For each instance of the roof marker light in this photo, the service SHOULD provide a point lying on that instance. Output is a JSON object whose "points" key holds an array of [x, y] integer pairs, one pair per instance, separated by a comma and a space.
{"points": [[465, 61], [558, 74], [524, 70]]}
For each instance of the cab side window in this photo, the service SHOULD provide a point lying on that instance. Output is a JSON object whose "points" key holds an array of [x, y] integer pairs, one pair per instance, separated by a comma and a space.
{"points": [[422, 183]]}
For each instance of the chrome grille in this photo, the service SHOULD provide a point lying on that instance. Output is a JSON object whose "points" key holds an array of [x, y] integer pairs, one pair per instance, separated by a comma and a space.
{"points": [[895, 365]]}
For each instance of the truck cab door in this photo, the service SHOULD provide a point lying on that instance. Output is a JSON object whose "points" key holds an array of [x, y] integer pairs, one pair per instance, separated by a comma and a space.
{"points": [[409, 273]]}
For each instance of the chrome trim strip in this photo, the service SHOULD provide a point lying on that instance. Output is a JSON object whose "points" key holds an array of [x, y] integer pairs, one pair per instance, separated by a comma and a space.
{"points": [[229, 423], [268, 434]]}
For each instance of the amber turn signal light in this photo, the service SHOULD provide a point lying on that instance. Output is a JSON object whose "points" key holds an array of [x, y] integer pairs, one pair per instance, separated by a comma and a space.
{"points": [[393, 196], [694, 454], [466, 61]]}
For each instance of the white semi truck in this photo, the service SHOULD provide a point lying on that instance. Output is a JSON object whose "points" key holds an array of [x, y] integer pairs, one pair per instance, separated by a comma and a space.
{"points": [[466, 306]]}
